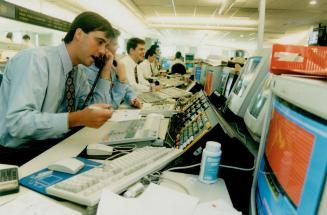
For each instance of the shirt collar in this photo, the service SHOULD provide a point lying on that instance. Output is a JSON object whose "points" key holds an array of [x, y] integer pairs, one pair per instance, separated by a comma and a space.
{"points": [[132, 61], [65, 58]]}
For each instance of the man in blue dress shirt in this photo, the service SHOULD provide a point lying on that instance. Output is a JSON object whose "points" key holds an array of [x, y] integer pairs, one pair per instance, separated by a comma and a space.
{"points": [[34, 101], [120, 89]]}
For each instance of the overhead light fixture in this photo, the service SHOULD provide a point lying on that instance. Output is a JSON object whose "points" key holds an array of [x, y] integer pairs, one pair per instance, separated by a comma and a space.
{"points": [[313, 2], [226, 5], [203, 27], [202, 21]]}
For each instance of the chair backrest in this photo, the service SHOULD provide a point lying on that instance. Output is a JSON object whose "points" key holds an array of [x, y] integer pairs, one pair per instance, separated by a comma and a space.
{"points": [[178, 68]]}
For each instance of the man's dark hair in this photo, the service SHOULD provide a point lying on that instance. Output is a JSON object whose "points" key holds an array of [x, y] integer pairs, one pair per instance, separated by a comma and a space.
{"points": [[26, 37], [133, 42], [149, 53], [88, 22], [116, 33], [9, 35], [178, 55]]}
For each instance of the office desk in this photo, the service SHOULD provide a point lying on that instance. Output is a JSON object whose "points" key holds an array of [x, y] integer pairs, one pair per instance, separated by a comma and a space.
{"points": [[70, 147], [74, 145], [205, 192]]}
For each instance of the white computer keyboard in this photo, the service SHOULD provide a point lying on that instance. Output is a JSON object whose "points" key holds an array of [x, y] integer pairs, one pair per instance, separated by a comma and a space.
{"points": [[117, 175]]}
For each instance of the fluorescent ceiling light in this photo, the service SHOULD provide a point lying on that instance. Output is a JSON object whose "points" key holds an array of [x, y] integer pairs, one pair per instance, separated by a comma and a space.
{"points": [[202, 21], [313, 2], [204, 27]]}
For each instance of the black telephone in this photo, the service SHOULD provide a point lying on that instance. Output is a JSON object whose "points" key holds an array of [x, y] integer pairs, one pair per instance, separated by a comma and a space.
{"points": [[99, 62]]}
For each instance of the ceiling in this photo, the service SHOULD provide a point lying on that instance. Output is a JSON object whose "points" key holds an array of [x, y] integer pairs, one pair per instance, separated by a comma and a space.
{"points": [[283, 17], [194, 23]]}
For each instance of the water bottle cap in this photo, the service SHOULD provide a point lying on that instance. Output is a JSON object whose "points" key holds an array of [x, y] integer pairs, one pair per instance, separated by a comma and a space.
{"points": [[212, 146]]}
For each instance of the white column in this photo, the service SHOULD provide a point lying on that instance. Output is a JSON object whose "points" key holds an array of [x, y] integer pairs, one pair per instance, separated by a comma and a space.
{"points": [[261, 26]]}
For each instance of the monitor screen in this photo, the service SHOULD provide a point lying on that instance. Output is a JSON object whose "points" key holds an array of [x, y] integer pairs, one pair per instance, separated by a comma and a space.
{"points": [[165, 64], [246, 76], [292, 173], [197, 72], [189, 57], [313, 38], [257, 105], [189, 65]]}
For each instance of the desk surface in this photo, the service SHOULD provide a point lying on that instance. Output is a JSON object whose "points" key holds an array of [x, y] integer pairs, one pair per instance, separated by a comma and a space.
{"points": [[75, 144]]}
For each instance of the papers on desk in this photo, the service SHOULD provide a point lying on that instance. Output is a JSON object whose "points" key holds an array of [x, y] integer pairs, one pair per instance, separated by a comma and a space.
{"points": [[34, 204], [124, 115], [155, 200], [218, 206]]}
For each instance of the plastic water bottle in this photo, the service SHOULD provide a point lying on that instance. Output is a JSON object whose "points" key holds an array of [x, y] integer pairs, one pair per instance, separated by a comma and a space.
{"points": [[210, 163]]}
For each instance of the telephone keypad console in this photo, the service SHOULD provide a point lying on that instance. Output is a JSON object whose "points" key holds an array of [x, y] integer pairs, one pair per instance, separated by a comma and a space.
{"points": [[198, 126], [197, 119]]}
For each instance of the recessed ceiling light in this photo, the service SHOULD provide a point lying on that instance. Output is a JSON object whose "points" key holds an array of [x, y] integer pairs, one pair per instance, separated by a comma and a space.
{"points": [[313, 2]]}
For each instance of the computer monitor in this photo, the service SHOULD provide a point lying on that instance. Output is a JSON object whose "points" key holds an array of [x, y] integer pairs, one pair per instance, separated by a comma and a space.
{"points": [[165, 64], [225, 77], [203, 74], [213, 79], [290, 174], [189, 65], [257, 110], [189, 57], [197, 72], [318, 36], [251, 76], [232, 77], [313, 37]]}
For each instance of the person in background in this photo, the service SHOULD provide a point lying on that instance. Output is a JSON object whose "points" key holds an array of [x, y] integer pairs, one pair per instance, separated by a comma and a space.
{"points": [[178, 60], [135, 54], [156, 64], [9, 37], [27, 40], [42, 95], [145, 68], [120, 89]]}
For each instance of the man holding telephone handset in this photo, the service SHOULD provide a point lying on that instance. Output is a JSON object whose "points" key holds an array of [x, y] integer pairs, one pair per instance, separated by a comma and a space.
{"points": [[43, 94]]}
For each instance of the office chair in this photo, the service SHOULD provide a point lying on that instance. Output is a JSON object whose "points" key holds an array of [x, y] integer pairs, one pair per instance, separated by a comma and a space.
{"points": [[178, 68]]}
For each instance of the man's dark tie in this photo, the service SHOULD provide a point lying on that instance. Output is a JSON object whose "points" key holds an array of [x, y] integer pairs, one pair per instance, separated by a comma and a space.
{"points": [[135, 73], [70, 91], [151, 70]]}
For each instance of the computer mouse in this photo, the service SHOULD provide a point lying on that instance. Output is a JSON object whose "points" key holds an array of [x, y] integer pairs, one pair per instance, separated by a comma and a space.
{"points": [[99, 149], [69, 165]]}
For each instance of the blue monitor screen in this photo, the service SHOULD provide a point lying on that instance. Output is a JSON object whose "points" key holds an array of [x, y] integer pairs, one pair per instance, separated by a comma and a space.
{"points": [[292, 174], [165, 64], [189, 65]]}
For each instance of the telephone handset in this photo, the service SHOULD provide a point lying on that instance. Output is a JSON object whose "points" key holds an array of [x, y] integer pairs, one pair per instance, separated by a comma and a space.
{"points": [[99, 62]]}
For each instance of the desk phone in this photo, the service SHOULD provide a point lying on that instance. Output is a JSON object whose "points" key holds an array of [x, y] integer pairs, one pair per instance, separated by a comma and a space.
{"points": [[8, 179]]}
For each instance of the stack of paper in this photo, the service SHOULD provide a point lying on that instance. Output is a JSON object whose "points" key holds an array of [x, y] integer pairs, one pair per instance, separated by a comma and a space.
{"points": [[155, 200]]}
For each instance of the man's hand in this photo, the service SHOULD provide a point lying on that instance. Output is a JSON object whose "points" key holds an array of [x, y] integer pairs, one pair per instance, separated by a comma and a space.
{"points": [[155, 88], [105, 72], [136, 103], [121, 72], [94, 116]]}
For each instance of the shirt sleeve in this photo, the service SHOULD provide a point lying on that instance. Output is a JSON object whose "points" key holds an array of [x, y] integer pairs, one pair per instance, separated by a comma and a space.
{"points": [[142, 70], [130, 94], [101, 92], [29, 77]]}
